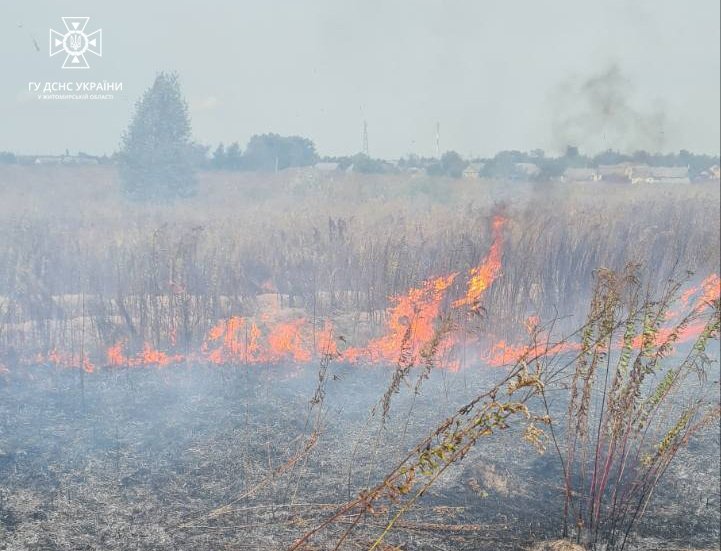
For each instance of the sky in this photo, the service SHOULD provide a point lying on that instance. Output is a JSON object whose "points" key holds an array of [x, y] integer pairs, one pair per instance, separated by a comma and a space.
{"points": [[494, 75]]}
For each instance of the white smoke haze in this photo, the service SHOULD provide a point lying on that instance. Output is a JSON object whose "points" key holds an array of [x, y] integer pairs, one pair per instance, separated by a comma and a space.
{"points": [[343, 275]]}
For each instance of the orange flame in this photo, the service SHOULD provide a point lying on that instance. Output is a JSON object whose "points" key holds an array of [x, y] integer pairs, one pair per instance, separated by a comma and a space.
{"points": [[483, 275], [285, 342], [72, 361], [241, 341], [711, 287], [411, 324], [502, 353], [326, 342], [150, 356], [412, 329], [115, 355]]}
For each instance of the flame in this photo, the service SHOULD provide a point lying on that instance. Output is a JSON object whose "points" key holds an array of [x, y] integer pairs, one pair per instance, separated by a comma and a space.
{"points": [[148, 356], [502, 353], [238, 339], [151, 356], [411, 324], [115, 355], [483, 275], [326, 341], [709, 291], [231, 335], [285, 342], [415, 329], [72, 361], [711, 288]]}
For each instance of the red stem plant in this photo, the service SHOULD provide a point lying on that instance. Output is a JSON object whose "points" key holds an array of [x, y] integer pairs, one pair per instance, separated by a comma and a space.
{"points": [[636, 397]]}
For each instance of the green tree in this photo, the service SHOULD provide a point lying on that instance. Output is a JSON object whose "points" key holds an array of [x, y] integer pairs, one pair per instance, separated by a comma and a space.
{"points": [[453, 164], [450, 164], [7, 157], [503, 165], [219, 158], [366, 165], [156, 156], [233, 157], [271, 152]]}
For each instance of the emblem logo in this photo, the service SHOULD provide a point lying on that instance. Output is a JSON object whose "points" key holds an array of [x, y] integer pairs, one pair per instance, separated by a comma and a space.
{"points": [[75, 42]]}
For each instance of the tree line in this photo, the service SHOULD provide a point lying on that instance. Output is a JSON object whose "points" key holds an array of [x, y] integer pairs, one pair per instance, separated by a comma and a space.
{"points": [[158, 157]]}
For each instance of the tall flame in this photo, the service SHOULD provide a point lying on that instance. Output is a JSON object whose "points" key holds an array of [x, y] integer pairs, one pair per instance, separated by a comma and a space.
{"points": [[483, 275]]}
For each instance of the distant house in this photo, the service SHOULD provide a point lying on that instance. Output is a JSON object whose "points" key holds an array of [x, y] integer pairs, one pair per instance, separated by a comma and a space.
{"points": [[619, 173], [80, 160], [581, 175], [473, 170], [527, 169], [659, 175], [49, 160], [711, 173], [326, 166], [66, 160]]}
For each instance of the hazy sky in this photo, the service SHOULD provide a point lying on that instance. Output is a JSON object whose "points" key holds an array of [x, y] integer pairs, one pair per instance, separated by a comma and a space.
{"points": [[510, 74]]}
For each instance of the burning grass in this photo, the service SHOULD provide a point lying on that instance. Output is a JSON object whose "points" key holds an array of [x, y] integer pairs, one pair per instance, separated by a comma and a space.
{"points": [[155, 282], [205, 368]]}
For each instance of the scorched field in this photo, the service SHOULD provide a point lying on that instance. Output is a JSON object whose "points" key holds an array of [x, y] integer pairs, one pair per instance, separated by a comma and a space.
{"points": [[311, 361]]}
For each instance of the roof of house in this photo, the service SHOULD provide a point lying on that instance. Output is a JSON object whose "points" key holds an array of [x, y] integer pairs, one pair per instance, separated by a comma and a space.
{"points": [[620, 169], [670, 172], [580, 173], [48, 159], [66, 160], [660, 172]]}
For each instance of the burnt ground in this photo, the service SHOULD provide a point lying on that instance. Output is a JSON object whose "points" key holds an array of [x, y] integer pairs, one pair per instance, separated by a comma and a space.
{"points": [[178, 459]]}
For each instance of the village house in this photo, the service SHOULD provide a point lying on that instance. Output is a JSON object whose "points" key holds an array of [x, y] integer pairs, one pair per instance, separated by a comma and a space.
{"points": [[529, 170], [618, 173], [711, 173], [659, 175], [580, 175], [66, 160], [326, 166], [473, 170]]}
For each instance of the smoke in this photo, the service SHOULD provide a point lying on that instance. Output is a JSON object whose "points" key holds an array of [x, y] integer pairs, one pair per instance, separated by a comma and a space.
{"points": [[598, 113]]}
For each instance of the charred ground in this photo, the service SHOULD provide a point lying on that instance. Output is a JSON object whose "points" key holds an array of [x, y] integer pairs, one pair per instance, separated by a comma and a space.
{"points": [[187, 455]]}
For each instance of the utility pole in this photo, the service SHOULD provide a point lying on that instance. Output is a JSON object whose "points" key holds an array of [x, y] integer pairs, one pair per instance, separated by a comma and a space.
{"points": [[365, 139], [438, 140]]}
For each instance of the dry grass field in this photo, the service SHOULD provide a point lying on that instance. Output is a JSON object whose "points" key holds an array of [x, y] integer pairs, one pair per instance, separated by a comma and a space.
{"points": [[226, 371]]}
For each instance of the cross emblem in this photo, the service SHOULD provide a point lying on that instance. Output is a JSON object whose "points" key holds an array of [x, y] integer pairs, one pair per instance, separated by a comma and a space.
{"points": [[76, 43]]}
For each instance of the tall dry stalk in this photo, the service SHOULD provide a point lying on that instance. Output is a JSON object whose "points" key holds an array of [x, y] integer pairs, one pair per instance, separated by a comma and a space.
{"points": [[636, 397]]}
